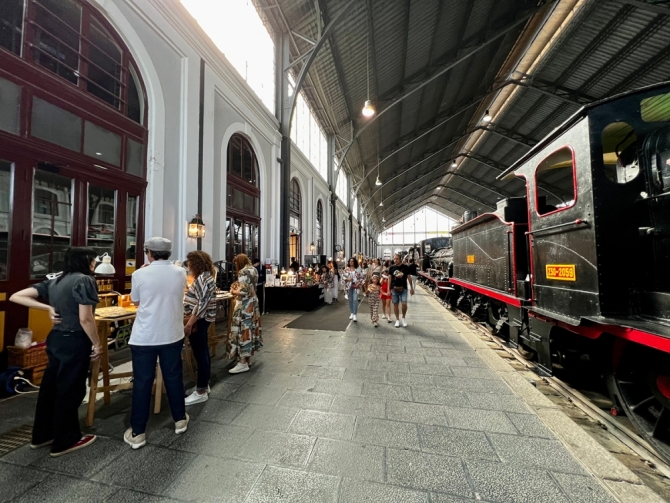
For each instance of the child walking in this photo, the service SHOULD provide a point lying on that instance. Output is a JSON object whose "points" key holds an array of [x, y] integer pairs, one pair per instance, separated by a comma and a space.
{"points": [[374, 290], [386, 296]]}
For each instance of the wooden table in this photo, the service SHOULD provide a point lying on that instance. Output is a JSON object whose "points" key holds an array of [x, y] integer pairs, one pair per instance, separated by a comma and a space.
{"points": [[293, 298]]}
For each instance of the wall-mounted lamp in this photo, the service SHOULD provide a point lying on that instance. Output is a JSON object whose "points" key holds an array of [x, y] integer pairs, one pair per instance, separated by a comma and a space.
{"points": [[312, 247], [196, 229], [105, 265]]}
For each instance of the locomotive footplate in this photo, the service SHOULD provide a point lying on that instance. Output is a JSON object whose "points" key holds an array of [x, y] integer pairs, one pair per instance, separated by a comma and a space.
{"points": [[538, 339]]}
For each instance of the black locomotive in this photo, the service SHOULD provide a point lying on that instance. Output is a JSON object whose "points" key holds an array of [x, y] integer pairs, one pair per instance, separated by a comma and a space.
{"points": [[578, 269]]}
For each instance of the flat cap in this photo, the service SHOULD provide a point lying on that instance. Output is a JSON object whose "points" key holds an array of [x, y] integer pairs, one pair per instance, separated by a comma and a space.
{"points": [[158, 244]]}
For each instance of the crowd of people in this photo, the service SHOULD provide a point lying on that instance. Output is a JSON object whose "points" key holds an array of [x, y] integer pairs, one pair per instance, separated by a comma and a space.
{"points": [[385, 284], [170, 313]]}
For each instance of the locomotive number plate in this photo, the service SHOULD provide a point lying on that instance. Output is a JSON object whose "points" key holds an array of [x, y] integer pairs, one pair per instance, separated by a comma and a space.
{"points": [[471, 259], [561, 272]]}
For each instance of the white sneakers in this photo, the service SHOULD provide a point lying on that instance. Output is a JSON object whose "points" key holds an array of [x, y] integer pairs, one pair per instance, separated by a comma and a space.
{"points": [[134, 442], [196, 397], [239, 368], [181, 426], [383, 316], [404, 322], [354, 317], [397, 324], [351, 316]]}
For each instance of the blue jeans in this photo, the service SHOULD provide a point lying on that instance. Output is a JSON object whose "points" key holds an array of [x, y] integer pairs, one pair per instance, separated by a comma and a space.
{"points": [[353, 300], [198, 340], [399, 297], [144, 372]]}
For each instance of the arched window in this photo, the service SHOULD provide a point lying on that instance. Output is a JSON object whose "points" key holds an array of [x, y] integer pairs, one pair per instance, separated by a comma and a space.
{"points": [[319, 228], [243, 199], [295, 219]]}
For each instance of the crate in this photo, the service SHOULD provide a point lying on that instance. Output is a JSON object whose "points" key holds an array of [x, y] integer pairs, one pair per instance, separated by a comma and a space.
{"points": [[27, 357]]}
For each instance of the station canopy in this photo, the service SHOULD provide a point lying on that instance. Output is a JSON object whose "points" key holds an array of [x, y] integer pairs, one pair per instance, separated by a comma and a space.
{"points": [[433, 68]]}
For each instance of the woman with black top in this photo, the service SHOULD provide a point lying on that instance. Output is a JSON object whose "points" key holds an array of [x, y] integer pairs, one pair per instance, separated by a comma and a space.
{"points": [[71, 299]]}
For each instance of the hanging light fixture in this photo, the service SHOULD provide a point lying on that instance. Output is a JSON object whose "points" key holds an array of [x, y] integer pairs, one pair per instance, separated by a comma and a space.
{"points": [[487, 117], [196, 229], [453, 163], [368, 108], [381, 201]]}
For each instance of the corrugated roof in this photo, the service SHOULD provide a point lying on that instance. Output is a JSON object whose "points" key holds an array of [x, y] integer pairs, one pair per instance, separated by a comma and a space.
{"points": [[609, 46]]}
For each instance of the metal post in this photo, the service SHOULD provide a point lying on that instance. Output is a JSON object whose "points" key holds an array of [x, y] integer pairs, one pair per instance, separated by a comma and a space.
{"points": [[284, 116]]}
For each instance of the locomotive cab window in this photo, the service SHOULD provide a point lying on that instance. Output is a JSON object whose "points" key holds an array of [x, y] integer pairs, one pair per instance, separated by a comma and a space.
{"points": [[656, 108], [620, 159], [555, 179]]}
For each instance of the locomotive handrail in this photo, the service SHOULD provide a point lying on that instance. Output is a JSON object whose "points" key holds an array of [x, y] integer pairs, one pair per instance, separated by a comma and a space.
{"points": [[579, 221]]}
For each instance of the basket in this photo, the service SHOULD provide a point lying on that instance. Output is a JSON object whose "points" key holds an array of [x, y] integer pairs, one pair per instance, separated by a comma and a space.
{"points": [[27, 357]]}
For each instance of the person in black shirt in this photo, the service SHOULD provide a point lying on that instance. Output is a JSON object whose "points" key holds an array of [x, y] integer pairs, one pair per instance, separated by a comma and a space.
{"points": [[400, 279]]}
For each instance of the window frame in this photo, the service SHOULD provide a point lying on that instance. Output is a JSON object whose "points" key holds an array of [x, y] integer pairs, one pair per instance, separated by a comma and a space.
{"points": [[574, 182]]}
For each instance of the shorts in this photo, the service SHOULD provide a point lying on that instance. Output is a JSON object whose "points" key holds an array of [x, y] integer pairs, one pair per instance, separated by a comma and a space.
{"points": [[399, 297]]}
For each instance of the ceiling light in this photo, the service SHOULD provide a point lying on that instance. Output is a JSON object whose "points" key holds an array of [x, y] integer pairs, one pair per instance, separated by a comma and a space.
{"points": [[381, 203], [104, 265], [378, 182], [453, 163], [98, 153], [383, 220], [368, 108], [487, 117]]}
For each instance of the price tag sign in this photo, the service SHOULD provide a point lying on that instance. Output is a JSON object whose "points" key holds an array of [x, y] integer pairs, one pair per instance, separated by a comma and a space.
{"points": [[561, 272], [470, 259]]}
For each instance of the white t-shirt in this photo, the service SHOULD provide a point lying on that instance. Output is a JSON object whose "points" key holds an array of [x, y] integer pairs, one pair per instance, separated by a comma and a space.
{"points": [[159, 288]]}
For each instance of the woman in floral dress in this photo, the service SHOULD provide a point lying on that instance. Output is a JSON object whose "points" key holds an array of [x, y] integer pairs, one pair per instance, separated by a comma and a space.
{"points": [[245, 337]]}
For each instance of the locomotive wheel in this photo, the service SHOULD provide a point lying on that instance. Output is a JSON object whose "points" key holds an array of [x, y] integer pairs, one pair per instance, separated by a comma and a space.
{"points": [[643, 382]]}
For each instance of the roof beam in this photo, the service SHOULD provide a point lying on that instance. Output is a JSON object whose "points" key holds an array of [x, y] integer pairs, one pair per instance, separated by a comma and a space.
{"points": [[451, 64], [640, 4], [399, 213], [405, 212]]}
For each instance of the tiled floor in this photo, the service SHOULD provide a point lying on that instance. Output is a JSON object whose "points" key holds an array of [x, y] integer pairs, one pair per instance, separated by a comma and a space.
{"points": [[367, 415]]}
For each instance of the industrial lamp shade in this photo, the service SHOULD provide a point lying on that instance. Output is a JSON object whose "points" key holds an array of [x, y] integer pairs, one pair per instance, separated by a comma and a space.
{"points": [[196, 229], [368, 109], [105, 266], [378, 182]]}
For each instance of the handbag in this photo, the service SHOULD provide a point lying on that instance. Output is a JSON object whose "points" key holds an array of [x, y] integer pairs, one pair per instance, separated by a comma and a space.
{"points": [[398, 289]]}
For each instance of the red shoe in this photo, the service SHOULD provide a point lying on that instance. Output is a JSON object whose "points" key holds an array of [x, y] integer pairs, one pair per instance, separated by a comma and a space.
{"points": [[85, 441]]}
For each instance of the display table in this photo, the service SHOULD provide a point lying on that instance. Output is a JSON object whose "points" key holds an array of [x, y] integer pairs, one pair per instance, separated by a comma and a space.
{"points": [[291, 298]]}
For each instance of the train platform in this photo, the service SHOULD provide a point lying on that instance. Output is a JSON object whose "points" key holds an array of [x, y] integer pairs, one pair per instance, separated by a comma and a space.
{"points": [[426, 413]]}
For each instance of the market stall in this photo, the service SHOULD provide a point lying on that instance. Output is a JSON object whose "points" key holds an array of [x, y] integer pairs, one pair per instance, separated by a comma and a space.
{"points": [[293, 298]]}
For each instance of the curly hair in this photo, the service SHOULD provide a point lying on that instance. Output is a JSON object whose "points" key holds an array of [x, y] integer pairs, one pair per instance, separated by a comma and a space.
{"points": [[199, 262]]}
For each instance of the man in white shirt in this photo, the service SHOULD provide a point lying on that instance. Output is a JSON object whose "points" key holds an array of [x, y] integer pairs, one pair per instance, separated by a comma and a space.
{"points": [[158, 334]]}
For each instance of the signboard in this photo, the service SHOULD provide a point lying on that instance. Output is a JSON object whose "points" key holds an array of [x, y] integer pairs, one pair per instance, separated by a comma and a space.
{"points": [[561, 272]]}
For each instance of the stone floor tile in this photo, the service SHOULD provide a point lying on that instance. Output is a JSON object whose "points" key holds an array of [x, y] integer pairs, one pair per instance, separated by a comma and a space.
{"points": [[446, 361], [209, 479], [358, 491], [429, 472], [506, 483], [479, 419], [212, 438], [582, 489], [475, 385], [216, 411], [349, 363], [405, 358], [337, 353], [275, 448], [85, 462], [370, 376], [306, 400], [447, 498], [369, 355], [388, 366], [59, 488], [474, 372], [338, 387], [261, 395], [530, 425], [417, 368], [15, 480], [475, 362], [278, 368], [387, 391], [385, 432], [416, 412], [224, 389], [266, 417], [348, 459], [492, 401], [418, 350], [411, 379], [291, 382], [323, 372], [324, 424], [149, 469], [130, 496], [443, 396], [456, 442], [535, 452], [359, 406], [281, 485]]}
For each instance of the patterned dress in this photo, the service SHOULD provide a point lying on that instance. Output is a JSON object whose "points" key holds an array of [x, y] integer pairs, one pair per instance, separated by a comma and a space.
{"points": [[246, 337], [373, 301]]}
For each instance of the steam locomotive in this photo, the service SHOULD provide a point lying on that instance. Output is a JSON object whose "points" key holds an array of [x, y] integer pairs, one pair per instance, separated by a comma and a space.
{"points": [[577, 271]]}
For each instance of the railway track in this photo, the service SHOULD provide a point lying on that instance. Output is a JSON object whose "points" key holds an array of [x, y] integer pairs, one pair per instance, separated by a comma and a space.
{"points": [[657, 472]]}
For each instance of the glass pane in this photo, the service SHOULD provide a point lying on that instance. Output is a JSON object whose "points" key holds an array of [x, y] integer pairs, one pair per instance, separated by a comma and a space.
{"points": [[248, 245], [102, 144], [228, 239], [5, 220], [104, 66], [235, 156], [248, 203], [57, 30], [10, 101], [135, 97], [238, 199], [620, 152], [656, 108], [257, 206], [132, 208], [248, 163], [55, 125], [101, 215], [135, 158], [256, 250], [11, 25], [52, 223], [237, 249]]}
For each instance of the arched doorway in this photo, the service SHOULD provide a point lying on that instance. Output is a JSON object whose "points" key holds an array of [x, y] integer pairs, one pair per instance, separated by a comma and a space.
{"points": [[243, 200], [295, 220], [73, 135]]}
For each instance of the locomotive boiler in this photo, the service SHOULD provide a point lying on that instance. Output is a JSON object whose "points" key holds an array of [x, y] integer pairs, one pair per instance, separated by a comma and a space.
{"points": [[547, 269]]}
